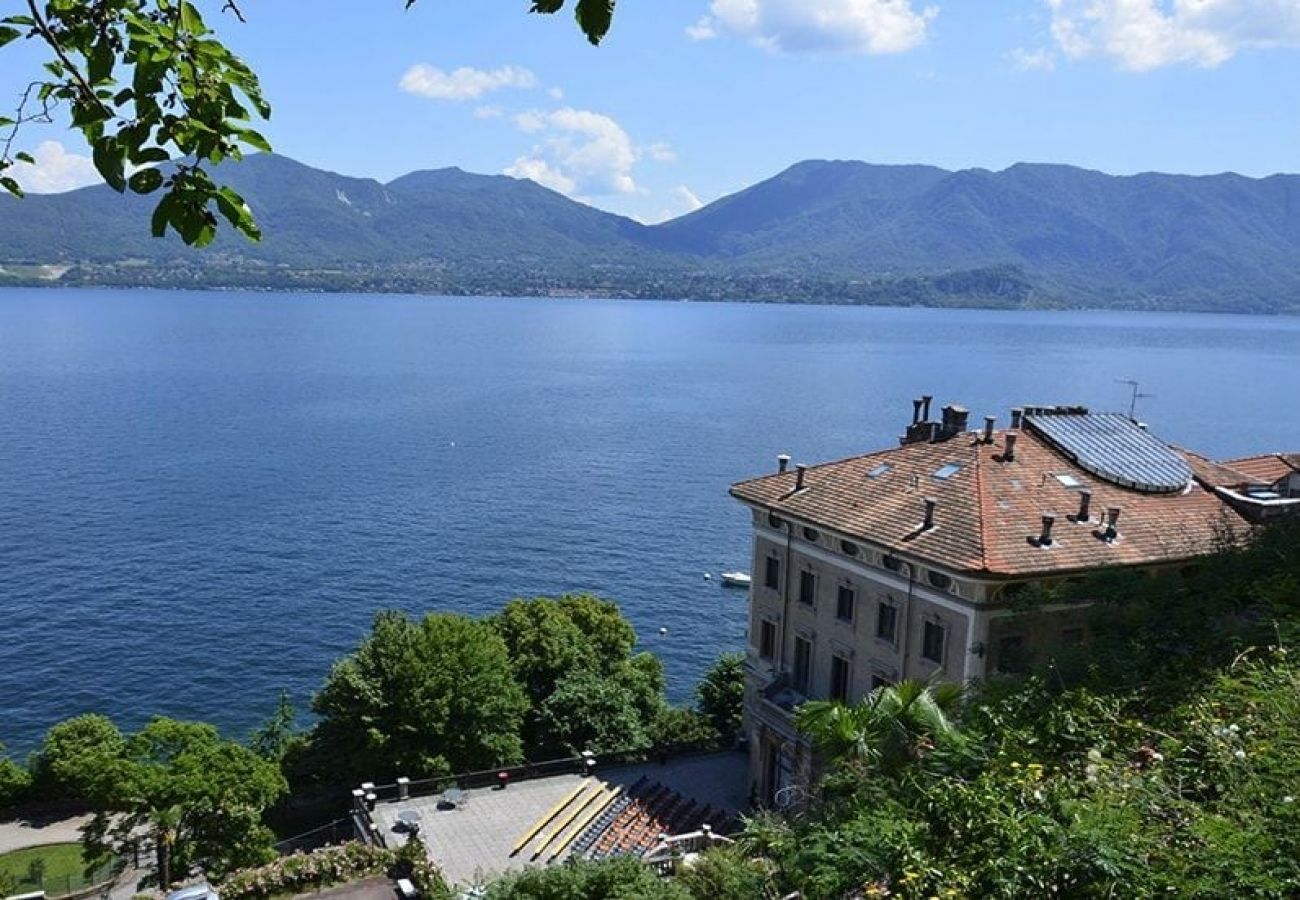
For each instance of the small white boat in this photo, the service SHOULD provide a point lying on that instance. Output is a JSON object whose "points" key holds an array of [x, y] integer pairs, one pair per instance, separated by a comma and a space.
{"points": [[735, 579]]}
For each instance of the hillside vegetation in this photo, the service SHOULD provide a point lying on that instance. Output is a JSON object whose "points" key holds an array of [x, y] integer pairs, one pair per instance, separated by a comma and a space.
{"points": [[843, 232]]}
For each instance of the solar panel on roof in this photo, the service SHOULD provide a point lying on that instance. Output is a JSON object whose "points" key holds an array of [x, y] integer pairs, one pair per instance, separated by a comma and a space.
{"points": [[1113, 447], [947, 471], [879, 470]]}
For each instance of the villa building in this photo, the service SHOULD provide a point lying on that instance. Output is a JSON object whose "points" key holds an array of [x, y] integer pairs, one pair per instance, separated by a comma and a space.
{"points": [[904, 563]]}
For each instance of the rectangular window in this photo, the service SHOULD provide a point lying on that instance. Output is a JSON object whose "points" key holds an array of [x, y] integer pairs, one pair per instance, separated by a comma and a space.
{"points": [[807, 587], [845, 601], [801, 676], [887, 622], [767, 639], [932, 642], [879, 681], [840, 669], [772, 573]]}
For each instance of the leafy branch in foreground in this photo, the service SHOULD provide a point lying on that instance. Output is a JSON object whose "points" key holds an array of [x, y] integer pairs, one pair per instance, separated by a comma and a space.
{"points": [[157, 96]]}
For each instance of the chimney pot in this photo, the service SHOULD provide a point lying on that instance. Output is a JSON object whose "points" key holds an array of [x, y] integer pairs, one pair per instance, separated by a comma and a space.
{"points": [[1112, 524], [989, 422], [798, 476], [1045, 539], [1085, 503], [1016, 415], [925, 411], [1009, 451], [916, 410], [783, 462], [929, 513]]}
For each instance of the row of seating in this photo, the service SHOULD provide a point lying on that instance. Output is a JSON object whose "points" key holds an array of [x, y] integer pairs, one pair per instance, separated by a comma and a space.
{"points": [[583, 845], [633, 827]]}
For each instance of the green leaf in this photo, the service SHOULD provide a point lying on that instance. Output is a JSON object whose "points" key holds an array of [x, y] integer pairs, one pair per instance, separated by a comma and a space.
{"points": [[253, 139], [547, 6], [110, 162], [101, 62], [18, 20], [146, 181], [24, 156], [594, 18], [161, 216], [150, 155], [11, 186], [8, 34], [191, 21], [5, 123], [236, 211]]}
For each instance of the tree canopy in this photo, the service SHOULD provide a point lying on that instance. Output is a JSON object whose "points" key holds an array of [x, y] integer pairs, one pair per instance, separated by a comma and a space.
{"points": [[421, 699], [199, 798], [160, 99], [587, 690]]}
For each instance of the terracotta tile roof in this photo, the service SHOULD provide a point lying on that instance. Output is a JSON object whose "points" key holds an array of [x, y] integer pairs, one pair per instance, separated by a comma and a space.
{"points": [[1268, 468], [989, 512], [1214, 474]]}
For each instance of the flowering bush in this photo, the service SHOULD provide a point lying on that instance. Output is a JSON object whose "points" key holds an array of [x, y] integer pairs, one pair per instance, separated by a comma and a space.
{"points": [[301, 872]]}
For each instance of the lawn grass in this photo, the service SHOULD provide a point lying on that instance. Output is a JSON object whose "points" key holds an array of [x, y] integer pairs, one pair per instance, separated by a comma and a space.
{"points": [[65, 870]]}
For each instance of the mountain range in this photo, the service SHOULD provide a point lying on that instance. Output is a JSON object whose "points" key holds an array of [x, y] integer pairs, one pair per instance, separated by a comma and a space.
{"points": [[1036, 236]]}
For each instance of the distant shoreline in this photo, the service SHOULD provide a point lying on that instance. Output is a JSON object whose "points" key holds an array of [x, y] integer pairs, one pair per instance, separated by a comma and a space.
{"points": [[955, 303]]}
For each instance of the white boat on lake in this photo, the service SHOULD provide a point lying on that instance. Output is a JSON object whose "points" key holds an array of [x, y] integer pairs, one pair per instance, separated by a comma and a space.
{"points": [[735, 579]]}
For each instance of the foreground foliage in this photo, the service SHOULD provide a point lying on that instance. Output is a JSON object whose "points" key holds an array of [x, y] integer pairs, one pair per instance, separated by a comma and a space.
{"points": [[159, 98]]}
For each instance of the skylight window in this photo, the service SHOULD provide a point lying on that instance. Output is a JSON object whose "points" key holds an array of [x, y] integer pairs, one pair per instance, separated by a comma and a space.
{"points": [[879, 470], [946, 472], [1069, 481]]}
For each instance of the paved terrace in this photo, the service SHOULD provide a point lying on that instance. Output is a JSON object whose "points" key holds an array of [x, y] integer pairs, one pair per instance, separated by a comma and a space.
{"points": [[489, 830]]}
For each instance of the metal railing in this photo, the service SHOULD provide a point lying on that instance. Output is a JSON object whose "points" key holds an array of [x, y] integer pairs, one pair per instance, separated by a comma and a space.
{"points": [[672, 849]]}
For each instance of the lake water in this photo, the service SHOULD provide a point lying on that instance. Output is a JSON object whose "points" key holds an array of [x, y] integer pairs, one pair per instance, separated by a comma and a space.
{"points": [[205, 497]]}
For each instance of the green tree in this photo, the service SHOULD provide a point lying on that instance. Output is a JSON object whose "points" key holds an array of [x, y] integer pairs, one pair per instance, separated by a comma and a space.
{"points": [[275, 737], [159, 99], [892, 725], [421, 699], [14, 783], [720, 695], [574, 657], [198, 797], [616, 879], [728, 873], [81, 758]]}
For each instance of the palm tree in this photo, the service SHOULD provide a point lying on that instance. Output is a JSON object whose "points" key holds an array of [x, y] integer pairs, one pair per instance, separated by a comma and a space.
{"points": [[891, 726]]}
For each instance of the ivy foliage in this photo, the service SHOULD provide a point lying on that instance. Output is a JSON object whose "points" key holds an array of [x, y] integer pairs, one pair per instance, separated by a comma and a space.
{"points": [[160, 100]]}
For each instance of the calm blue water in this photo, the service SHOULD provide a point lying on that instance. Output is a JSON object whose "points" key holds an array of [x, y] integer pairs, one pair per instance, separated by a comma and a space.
{"points": [[204, 498]]}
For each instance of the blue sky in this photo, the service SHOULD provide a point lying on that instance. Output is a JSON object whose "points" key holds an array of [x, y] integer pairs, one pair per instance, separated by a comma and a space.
{"points": [[688, 100]]}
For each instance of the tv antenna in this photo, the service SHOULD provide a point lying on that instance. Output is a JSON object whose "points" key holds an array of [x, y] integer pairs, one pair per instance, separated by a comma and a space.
{"points": [[1133, 400]]}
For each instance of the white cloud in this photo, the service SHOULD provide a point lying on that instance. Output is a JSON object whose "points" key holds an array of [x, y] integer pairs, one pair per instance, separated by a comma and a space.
{"points": [[661, 152], [580, 153], [683, 201], [686, 198], [464, 83], [810, 26], [1147, 34], [543, 173], [1040, 60], [555, 93], [488, 112], [702, 30], [531, 121], [55, 170]]}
